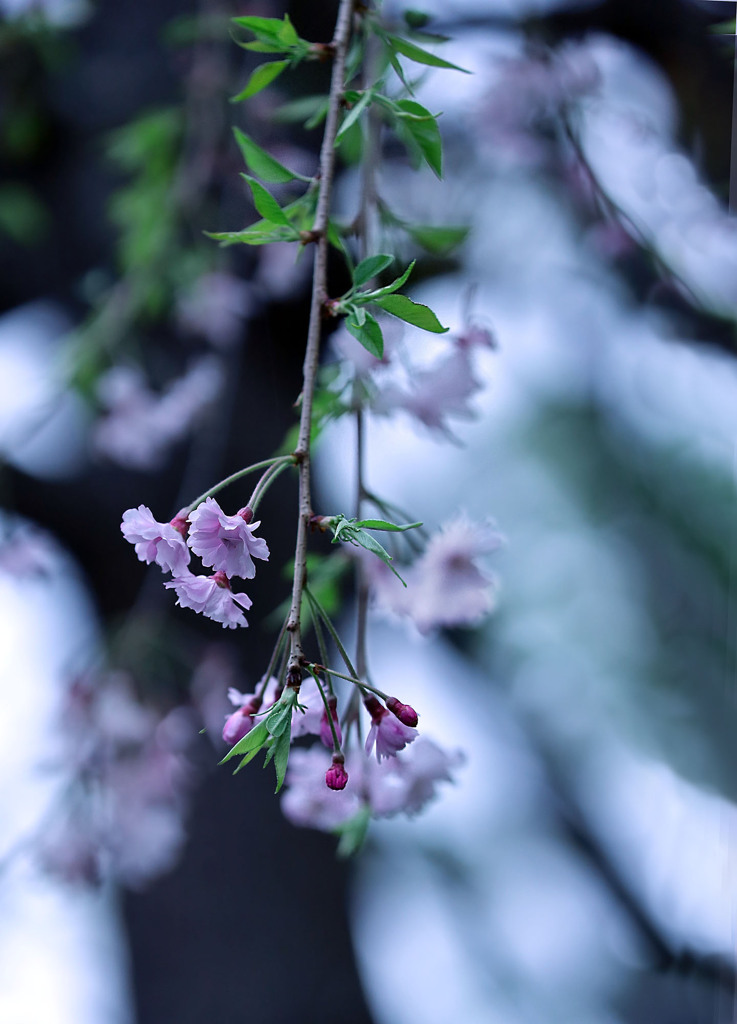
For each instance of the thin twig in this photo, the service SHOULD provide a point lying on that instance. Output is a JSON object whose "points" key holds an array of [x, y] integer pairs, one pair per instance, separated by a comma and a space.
{"points": [[312, 352]]}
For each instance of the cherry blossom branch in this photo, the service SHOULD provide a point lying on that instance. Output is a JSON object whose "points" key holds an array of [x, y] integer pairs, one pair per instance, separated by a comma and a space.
{"points": [[339, 47]]}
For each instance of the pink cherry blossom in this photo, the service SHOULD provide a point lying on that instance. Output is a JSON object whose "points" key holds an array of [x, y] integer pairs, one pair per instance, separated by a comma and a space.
{"points": [[212, 596], [307, 717], [386, 731], [443, 389], [406, 783], [156, 542], [226, 543], [445, 586]]}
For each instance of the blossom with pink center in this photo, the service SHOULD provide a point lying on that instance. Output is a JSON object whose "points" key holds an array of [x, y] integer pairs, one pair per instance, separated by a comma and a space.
{"points": [[162, 543], [212, 596], [226, 543], [387, 732]]}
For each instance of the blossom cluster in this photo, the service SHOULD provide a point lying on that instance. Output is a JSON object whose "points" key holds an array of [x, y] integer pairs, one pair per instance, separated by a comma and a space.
{"points": [[129, 772], [326, 789], [224, 543]]}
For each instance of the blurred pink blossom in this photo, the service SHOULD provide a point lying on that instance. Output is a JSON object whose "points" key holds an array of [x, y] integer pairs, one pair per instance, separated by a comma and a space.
{"points": [[215, 307], [399, 785], [445, 587], [140, 425]]}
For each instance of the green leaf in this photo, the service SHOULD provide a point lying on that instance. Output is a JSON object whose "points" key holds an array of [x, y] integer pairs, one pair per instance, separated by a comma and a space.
{"points": [[420, 56], [257, 234], [370, 267], [262, 163], [412, 313], [437, 240], [353, 832], [382, 524], [369, 334], [280, 716], [266, 205], [273, 35], [281, 758], [306, 108], [391, 57], [347, 530], [415, 19], [422, 128], [387, 289], [251, 742], [263, 75], [354, 113]]}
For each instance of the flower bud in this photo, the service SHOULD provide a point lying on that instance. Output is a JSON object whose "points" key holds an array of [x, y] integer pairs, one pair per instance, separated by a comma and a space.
{"points": [[404, 712], [179, 522], [336, 776], [222, 580], [374, 708]]}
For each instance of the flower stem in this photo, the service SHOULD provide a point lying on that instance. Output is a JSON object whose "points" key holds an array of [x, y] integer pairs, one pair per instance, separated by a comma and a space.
{"points": [[286, 459], [331, 723], [265, 483], [318, 610], [312, 351]]}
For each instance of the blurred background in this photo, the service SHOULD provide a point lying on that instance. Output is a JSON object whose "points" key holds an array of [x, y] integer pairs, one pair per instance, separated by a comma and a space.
{"points": [[582, 869]]}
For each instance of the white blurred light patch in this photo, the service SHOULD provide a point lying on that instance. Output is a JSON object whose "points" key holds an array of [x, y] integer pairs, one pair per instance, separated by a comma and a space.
{"points": [[43, 423], [62, 959]]}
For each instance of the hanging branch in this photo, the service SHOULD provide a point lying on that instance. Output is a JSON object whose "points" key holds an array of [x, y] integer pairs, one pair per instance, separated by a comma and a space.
{"points": [[312, 353]]}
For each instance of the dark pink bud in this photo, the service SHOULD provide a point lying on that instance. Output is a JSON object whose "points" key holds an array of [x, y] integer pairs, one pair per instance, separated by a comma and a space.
{"points": [[180, 524], [221, 579], [246, 514], [336, 776], [406, 714], [374, 708]]}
